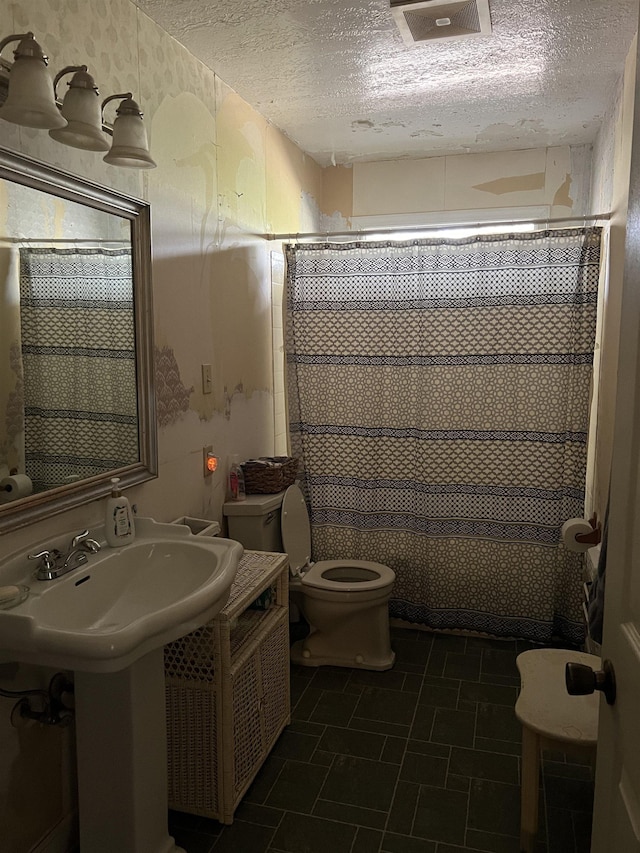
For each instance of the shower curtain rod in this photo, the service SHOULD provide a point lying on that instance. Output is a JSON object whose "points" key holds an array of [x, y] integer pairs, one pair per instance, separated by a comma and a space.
{"points": [[328, 235]]}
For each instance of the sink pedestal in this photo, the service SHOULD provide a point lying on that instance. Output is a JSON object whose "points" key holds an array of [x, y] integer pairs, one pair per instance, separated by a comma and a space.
{"points": [[108, 621], [122, 759]]}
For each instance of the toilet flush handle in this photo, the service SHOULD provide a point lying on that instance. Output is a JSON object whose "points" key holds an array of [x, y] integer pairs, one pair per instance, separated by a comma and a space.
{"points": [[269, 518]]}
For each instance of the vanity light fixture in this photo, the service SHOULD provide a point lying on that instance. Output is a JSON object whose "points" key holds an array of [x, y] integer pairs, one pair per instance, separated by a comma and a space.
{"points": [[130, 147], [81, 109], [30, 100]]}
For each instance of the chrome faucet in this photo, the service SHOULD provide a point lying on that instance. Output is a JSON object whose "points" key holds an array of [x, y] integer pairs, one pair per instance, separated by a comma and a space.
{"points": [[78, 549], [54, 564]]}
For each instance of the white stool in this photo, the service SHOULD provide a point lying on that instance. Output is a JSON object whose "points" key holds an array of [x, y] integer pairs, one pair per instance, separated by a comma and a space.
{"points": [[551, 719]]}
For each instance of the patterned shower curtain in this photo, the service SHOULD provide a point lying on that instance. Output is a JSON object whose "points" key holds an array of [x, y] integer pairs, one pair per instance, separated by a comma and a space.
{"points": [[439, 396], [78, 354]]}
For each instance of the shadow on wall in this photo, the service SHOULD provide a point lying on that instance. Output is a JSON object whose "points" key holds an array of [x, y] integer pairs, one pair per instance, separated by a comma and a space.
{"points": [[213, 308]]}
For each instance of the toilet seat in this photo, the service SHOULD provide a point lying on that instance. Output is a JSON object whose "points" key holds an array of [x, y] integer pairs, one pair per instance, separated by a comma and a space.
{"points": [[335, 575], [342, 576], [295, 529]]}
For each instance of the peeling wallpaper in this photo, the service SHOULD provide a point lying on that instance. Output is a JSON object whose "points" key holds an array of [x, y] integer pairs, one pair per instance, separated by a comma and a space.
{"points": [[554, 178], [172, 398], [518, 184], [337, 193]]}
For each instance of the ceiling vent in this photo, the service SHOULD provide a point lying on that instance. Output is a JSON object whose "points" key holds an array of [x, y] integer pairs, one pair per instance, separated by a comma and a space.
{"points": [[427, 20]]}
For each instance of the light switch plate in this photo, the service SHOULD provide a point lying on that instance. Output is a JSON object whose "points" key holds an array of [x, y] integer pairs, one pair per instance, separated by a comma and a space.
{"points": [[207, 381]]}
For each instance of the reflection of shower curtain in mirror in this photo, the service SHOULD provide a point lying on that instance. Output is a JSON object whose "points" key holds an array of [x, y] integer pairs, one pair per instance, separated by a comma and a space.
{"points": [[78, 352]]}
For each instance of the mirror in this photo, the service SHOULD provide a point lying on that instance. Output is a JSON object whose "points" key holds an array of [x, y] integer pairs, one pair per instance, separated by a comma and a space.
{"points": [[77, 402]]}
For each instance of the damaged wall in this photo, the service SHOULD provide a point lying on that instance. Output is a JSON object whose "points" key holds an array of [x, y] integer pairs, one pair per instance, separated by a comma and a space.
{"points": [[551, 182]]}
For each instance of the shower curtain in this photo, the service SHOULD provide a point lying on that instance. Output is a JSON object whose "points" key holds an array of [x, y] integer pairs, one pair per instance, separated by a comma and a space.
{"points": [[439, 396], [78, 354]]}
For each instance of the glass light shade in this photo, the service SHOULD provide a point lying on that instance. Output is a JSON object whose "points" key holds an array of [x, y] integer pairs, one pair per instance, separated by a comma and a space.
{"points": [[130, 147], [81, 109], [31, 101]]}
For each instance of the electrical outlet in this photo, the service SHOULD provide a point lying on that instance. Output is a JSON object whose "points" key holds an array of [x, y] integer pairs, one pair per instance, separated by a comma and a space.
{"points": [[209, 460], [207, 381]]}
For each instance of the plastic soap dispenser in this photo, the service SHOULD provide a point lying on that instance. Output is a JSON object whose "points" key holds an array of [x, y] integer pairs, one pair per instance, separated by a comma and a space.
{"points": [[237, 491], [119, 526]]}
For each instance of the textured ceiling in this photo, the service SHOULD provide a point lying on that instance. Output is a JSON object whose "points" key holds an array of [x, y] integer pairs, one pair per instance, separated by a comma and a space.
{"points": [[337, 78]]}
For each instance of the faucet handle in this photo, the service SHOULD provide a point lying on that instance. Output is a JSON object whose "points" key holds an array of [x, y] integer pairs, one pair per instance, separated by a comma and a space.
{"points": [[48, 558], [78, 539]]}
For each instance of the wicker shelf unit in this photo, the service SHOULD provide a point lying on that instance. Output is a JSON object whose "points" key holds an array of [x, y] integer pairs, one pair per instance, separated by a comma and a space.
{"points": [[227, 691]]}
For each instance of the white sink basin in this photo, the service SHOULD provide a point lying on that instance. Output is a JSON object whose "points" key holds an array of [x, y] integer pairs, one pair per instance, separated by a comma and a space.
{"points": [[122, 603]]}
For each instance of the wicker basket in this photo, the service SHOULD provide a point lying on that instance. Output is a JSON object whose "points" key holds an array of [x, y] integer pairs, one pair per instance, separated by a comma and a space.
{"points": [[269, 479]]}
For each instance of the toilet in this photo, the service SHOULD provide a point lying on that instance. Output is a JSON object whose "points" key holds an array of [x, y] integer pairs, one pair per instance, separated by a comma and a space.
{"points": [[345, 602]]}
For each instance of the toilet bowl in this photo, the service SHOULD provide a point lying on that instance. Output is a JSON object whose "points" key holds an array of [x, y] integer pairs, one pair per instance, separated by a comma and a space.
{"points": [[349, 617], [345, 602]]}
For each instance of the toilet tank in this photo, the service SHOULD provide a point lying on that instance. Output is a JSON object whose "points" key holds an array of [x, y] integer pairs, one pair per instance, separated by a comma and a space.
{"points": [[255, 521]]}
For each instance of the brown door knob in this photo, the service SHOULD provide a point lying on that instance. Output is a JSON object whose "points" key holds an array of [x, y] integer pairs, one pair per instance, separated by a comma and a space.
{"points": [[581, 680]]}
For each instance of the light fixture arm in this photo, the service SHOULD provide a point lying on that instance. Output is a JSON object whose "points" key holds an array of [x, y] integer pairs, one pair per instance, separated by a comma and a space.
{"points": [[124, 96], [31, 48], [81, 82]]}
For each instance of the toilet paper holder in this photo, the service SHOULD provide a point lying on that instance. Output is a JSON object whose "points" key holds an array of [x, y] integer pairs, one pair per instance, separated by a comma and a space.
{"points": [[594, 537]]}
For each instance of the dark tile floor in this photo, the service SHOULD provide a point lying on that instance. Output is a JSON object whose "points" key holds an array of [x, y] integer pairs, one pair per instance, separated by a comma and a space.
{"points": [[423, 758]]}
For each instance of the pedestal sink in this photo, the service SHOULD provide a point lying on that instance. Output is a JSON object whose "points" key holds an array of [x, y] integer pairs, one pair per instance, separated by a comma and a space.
{"points": [[108, 621]]}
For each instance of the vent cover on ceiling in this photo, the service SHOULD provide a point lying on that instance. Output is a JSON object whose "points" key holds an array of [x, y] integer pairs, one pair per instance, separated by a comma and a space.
{"points": [[426, 20]]}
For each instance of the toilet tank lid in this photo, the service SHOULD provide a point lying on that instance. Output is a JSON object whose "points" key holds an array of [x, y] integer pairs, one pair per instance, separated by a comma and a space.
{"points": [[254, 505]]}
